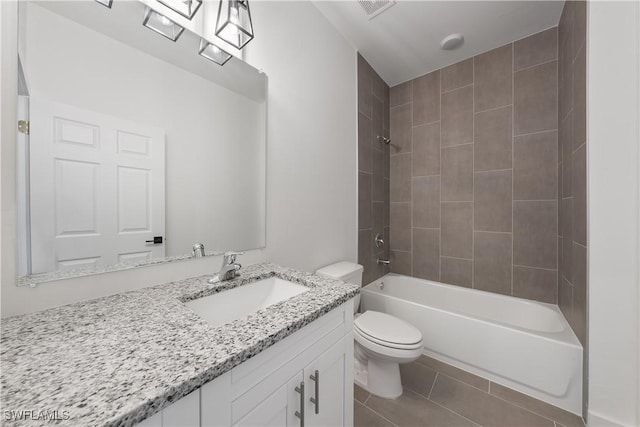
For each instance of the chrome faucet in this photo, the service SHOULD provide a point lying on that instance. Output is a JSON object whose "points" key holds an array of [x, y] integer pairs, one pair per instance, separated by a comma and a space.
{"points": [[383, 261], [229, 269]]}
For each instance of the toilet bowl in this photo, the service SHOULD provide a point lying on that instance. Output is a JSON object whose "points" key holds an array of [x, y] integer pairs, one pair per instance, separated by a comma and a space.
{"points": [[382, 342]]}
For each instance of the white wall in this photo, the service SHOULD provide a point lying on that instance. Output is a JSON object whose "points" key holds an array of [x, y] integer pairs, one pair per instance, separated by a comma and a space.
{"points": [[312, 149], [613, 117], [311, 158]]}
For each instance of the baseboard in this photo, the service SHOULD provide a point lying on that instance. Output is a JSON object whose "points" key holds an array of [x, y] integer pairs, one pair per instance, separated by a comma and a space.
{"points": [[596, 420]]}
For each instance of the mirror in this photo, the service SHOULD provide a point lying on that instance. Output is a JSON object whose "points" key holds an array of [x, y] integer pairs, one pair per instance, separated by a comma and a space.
{"points": [[137, 148]]}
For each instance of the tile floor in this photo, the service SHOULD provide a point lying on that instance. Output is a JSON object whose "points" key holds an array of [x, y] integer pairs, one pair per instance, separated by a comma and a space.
{"points": [[438, 395]]}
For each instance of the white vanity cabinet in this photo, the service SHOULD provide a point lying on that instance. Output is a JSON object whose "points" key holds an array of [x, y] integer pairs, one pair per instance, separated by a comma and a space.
{"points": [[304, 380]]}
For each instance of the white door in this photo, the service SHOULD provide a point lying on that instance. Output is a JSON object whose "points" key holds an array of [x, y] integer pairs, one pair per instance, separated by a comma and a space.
{"points": [[326, 388], [97, 188]]}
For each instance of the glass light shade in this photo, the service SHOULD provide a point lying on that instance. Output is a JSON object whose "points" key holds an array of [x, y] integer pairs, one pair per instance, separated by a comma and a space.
{"points": [[106, 3], [186, 8], [213, 52], [161, 24], [234, 22]]}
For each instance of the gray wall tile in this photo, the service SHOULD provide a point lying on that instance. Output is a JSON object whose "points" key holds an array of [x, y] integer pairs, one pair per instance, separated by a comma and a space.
{"points": [[457, 75], [426, 202], [492, 262], [457, 173], [535, 99], [457, 229], [426, 99], [377, 194], [535, 233], [535, 283], [536, 49], [457, 117], [492, 201], [400, 227], [401, 129], [493, 78], [566, 213], [535, 160], [456, 271], [401, 94], [364, 143], [401, 262], [426, 149], [580, 195], [364, 200], [401, 178], [565, 136], [493, 139], [426, 253], [364, 87]]}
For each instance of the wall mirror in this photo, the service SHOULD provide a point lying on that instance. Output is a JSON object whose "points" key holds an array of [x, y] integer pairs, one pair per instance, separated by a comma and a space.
{"points": [[137, 146]]}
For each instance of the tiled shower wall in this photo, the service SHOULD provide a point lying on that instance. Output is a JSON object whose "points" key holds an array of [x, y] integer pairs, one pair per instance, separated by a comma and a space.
{"points": [[373, 170], [572, 157], [474, 163], [572, 170]]}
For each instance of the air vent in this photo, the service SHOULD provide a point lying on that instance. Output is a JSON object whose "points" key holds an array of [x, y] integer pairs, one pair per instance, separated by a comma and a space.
{"points": [[374, 8]]}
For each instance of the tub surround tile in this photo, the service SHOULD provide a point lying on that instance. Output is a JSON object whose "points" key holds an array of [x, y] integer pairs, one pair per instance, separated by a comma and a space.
{"points": [[364, 200], [565, 299], [426, 150], [493, 78], [535, 233], [400, 227], [401, 262], [493, 139], [580, 99], [580, 195], [401, 129], [535, 283], [482, 408], [579, 266], [401, 94], [364, 144], [535, 166], [537, 49], [457, 229], [401, 178], [492, 262], [567, 239], [364, 87], [566, 142], [457, 173], [426, 202], [535, 99], [457, 117], [377, 110], [102, 347], [492, 201], [457, 75], [377, 185], [426, 253], [456, 271], [426, 100]]}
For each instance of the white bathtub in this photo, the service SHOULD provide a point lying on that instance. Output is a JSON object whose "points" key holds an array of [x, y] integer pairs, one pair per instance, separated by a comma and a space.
{"points": [[524, 345]]}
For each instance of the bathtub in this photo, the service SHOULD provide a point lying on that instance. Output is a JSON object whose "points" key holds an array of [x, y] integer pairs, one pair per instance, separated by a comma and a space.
{"points": [[524, 345]]}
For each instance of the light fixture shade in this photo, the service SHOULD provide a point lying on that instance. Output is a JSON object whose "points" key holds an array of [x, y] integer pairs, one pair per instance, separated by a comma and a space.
{"points": [[234, 22], [213, 52], [161, 24], [106, 3], [186, 8]]}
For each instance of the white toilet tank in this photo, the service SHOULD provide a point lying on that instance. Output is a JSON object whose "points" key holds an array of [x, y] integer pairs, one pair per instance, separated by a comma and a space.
{"points": [[347, 272]]}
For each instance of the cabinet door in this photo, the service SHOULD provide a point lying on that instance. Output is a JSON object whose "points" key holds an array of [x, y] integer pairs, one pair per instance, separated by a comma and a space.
{"points": [[277, 410], [325, 377]]}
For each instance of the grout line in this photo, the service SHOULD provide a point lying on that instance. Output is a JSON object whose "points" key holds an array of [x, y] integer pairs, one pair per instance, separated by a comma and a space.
{"points": [[534, 66], [537, 200], [452, 90], [513, 228], [473, 175], [493, 170], [454, 412], [440, 183], [433, 385], [493, 108], [534, 133], [426, 176], [424, 124], [525, 408], [456, 201], [492, 232], [367, 399], [398, 106], [536, 268], [452, 146], [453, 257]]}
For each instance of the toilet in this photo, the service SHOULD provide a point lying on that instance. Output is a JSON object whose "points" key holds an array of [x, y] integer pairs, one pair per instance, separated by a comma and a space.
{"points": [[381, 341]]}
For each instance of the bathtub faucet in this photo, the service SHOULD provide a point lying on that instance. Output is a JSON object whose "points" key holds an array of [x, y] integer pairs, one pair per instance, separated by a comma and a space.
{"points": [[383, 261]]}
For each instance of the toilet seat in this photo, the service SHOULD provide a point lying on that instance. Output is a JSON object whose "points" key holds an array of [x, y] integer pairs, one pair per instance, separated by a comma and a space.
{"points": [[386, 331]]}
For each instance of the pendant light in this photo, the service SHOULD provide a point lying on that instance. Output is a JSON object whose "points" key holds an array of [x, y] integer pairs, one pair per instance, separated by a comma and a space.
{"points": [[234, 22], [186, 8]]}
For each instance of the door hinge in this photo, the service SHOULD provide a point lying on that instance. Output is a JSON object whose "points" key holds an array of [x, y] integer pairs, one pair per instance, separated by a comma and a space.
{"points": [[23, 126]]}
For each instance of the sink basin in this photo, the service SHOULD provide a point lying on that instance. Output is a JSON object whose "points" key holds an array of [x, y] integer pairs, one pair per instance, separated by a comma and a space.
{"points": [[240, 302]]}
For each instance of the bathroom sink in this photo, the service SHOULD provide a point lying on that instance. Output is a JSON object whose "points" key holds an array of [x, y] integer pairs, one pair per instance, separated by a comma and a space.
{"points": [[240, 302]]}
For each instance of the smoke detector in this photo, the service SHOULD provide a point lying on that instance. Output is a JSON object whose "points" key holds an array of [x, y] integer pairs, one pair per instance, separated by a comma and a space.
{"points": [[374, 8], [452, 41]]}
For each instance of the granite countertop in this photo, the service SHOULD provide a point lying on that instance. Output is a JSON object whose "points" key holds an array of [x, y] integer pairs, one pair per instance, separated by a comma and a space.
{"points": [[117, 360]]}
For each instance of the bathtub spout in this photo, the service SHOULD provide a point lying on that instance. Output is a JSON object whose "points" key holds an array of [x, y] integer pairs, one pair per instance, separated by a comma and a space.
{"points": [[383, 261]]}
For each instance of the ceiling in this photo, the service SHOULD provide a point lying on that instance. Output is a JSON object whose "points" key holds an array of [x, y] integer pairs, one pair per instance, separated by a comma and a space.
{"points": [[403, 42]]}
